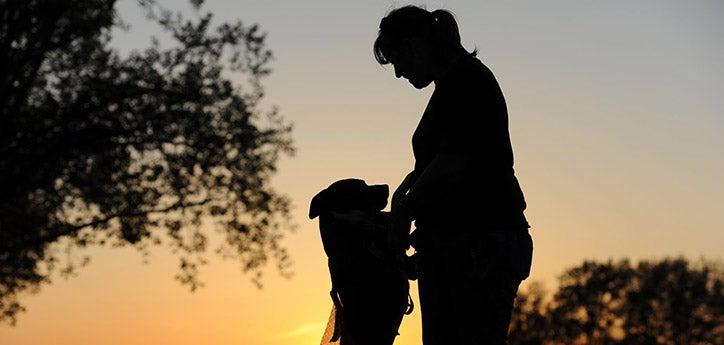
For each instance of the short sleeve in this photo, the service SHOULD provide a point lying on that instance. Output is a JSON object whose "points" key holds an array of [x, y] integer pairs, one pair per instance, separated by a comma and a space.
{"points": [[459, 120], [473, 116]]}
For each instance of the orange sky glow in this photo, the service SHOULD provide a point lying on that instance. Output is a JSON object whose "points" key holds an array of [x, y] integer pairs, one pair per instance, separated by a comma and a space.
{"points": [[616, 124]]}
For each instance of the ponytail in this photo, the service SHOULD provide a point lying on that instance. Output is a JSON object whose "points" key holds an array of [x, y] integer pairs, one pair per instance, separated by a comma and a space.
{"points": [[445, 30]]}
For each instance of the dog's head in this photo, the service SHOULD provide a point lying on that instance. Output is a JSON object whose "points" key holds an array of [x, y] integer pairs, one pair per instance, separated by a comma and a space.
{"points": [[349, 194]]}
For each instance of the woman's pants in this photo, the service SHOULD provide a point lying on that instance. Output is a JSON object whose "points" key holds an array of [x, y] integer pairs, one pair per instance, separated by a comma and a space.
{"points": [[468, 283]]}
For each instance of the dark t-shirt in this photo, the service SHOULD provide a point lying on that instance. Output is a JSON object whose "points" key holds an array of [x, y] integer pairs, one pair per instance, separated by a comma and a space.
{"points": [[467, 116]]}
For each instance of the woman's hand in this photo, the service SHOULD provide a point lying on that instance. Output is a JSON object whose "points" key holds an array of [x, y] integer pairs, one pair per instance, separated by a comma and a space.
{"points": [[402, 190]]}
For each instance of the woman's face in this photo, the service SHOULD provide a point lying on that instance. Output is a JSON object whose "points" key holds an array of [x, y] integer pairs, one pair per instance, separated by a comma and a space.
{"points": [[412, 61]]}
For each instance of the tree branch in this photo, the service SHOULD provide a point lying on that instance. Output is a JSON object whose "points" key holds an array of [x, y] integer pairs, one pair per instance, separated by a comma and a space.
{"points": [[70, 229]]}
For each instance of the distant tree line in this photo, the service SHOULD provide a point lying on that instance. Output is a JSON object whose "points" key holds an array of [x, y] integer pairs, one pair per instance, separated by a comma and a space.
{"points": [[671, 301]]}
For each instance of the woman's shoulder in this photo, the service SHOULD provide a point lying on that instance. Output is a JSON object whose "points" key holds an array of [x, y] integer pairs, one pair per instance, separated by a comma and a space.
{"points": [[476, 70], [469, 73]]}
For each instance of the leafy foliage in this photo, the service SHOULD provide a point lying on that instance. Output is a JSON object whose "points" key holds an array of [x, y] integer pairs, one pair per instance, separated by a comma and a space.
{"points": [[134, 150], [664, 302]]}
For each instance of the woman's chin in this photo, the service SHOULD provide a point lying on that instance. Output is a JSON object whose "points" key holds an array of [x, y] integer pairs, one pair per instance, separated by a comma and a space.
{"points": [[420, 84]]}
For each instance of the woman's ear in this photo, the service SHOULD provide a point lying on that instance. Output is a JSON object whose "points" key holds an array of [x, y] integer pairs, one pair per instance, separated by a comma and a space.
{"points": [[319, 204]]}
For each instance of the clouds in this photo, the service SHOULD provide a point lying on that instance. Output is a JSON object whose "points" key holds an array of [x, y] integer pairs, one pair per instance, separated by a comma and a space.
{"points": [[305, 329]]}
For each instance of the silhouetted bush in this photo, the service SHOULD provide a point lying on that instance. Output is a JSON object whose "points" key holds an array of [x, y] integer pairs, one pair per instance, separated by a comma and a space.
{"points": [[670, 301]]}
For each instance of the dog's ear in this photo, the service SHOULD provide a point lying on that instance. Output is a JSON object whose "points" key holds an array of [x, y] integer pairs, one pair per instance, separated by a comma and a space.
{"points": [[319, 203]]}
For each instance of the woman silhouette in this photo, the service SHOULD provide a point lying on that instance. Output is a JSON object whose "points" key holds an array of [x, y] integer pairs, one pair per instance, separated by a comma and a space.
{"points": [[472, 238]]}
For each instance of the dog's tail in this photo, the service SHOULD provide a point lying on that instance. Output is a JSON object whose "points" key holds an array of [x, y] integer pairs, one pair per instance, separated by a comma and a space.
{"points": [[335, 325]]}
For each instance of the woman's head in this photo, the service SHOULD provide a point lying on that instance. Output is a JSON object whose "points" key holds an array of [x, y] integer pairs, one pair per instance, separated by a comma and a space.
{"points": [[418, 43]]}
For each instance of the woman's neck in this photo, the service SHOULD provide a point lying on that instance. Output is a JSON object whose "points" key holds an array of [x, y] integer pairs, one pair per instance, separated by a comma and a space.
{"points": [[446, 63]]}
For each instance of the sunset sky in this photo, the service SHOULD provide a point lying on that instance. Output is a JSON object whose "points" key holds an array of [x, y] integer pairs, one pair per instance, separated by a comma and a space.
{"points": [[617, 123]]}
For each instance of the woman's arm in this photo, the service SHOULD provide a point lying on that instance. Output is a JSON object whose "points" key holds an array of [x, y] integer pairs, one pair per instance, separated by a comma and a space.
{"points": [[442, 174], [402, 190]]}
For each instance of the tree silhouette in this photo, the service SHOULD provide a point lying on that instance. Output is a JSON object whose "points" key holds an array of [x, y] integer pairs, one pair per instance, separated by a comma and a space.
{"points": [[530, 322], [134, 151], [655, 302]]}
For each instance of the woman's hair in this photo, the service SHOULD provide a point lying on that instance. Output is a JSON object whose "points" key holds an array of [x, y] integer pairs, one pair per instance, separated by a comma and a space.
{"points": [[412, 21]]}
